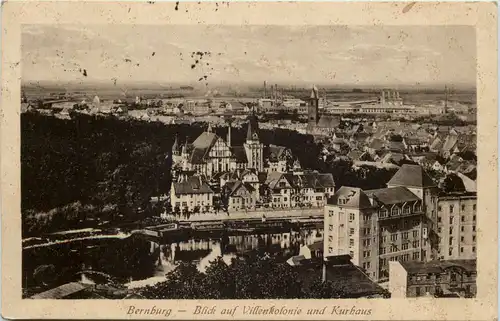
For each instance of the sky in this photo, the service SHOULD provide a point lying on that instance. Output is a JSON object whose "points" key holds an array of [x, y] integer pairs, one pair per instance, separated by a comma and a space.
{"points": [[343, 55]]}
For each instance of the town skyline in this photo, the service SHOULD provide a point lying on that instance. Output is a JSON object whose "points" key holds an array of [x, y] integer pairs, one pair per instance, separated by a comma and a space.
{"points": [[321, 55]]}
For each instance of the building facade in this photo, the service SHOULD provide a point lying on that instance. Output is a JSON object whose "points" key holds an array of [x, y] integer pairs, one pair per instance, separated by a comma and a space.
{"points": [[449, 278], [456, 227], [376, 227]]}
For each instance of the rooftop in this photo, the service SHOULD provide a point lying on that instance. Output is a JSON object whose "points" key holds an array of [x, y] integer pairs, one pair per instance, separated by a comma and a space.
{"points": [[392, 195], [350, 197], [62, 291], [411, 176], [438, 266]]}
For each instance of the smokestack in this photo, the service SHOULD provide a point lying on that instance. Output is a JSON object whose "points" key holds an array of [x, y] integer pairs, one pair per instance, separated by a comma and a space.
{"points": [[265, 90]]}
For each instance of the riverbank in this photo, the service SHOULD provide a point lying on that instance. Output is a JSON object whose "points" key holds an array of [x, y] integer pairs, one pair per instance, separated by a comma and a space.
{"points": [[250, 215]]}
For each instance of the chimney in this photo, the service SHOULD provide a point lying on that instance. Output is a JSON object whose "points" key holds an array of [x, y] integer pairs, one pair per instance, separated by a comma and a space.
{"points": [[265, 90], [229, 135]]}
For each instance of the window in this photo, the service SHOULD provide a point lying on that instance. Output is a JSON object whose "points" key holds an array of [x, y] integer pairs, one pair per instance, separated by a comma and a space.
{"points": [[474, 218], [366, 242], [439, 219], [451, 219], [461, 250], [405, 246], [463, 218], [351, 253], [473, 238], [384, 239], [450, 251], [474, 207], [367, 231], [439, 208], [451, 230], [330, 250], [366, 253], [383, 213], [451, 208], [351, 231], [462, 228], [330, 238], [330, 228], [417, 291], [405, 235], [382, 250], [473, 249], [416, 243], [473, 228], [351, 217], [383, 262], [462, 239], [351, 242], [463, 207], [439, 230], [330, 213], [415, 233], [406, 210], [394, 237], [368, 265], [416, 255], [451, 240], [341, 201]]}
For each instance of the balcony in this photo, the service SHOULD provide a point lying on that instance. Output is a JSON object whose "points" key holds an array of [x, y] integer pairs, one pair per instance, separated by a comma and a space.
{"points": [[386, 215]]}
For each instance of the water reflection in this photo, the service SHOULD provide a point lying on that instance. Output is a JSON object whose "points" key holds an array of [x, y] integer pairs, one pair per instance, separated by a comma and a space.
{"points": [[137, 262]]}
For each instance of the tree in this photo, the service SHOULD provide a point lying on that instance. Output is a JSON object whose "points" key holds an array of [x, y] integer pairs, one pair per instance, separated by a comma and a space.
{"points": [[453, 184]]}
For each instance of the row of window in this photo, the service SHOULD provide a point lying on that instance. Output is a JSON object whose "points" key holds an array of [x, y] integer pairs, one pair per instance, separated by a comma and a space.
{"points": [[452, 208], [462, 229], [394, 248], [401, 258], [462, 219], [450, 250], [462, 239], [394, 236]]}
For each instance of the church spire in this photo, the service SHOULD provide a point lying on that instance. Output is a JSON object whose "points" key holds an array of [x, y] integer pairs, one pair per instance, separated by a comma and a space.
{"points": [[209, 129], [175, 146]]}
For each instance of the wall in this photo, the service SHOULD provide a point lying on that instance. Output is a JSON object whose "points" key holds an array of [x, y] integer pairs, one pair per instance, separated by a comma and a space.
{"points": [[397, 280]]}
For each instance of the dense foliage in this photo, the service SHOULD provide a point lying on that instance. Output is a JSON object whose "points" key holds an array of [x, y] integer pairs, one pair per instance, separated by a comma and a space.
{"points": [[254, 277], [78, 170]]}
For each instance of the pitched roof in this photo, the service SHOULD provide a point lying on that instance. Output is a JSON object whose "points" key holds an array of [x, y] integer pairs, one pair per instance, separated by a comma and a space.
{"points": [[392, 195], [192, 185], [274, 153], [314, 93], [350, 197], [205, 140], [239, 153], [376, 144], [411, 176], [253, 128], [438, 266]]}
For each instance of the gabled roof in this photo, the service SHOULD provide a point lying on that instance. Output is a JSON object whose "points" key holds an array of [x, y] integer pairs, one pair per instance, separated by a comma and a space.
{"points": [[411, 176], [274, 153], [205, 140], [192, 185], [354, 197], [392, 195], [239, 154], [235, 186]]}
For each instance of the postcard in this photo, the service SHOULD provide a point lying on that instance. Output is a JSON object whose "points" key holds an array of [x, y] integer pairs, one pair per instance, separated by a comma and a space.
{"points": [[245, 160]]}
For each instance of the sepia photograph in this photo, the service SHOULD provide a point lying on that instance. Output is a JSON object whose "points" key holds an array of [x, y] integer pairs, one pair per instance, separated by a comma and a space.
{"points": [[297, 162], [270, 168]]}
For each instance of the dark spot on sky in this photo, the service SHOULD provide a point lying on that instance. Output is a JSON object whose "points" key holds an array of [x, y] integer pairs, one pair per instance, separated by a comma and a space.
{"points": [[186, 11], [197, 61], [216, 9], [137, 65], [153, 54], [245, 52], [85, 72], [193, 66], [208, 64], [127, 60], [201, 78], [205, 77], [129, 10], [220, 53], [80, 70], [177, 6], [151, 2]]}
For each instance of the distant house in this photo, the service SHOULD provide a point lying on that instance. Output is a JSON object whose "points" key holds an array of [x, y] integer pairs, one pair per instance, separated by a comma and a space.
{"points": [[191, 194], [241, 195]]}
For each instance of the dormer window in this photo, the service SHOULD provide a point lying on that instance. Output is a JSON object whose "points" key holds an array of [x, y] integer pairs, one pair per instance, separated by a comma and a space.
{"points": [[342, 201], [395, 210]]}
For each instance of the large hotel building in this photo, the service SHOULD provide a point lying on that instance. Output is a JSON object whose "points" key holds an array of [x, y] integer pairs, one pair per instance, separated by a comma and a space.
{"points": [[382, 225]]}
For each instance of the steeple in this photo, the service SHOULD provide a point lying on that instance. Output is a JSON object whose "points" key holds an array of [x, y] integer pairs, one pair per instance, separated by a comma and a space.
{"points": [[185, 148], [175, 146], [209, 129]]}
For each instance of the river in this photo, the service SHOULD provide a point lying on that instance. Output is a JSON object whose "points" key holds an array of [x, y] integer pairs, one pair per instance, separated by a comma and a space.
{"points": [[134, 261]]}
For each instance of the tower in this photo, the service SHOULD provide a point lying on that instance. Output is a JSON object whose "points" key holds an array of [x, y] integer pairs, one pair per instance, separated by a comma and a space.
{"points": [[313, 107], [185, 156], [253, 147], [176, 151]]}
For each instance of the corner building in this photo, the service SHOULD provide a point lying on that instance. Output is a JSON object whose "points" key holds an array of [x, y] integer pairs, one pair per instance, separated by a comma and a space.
{"points": [[378, 226]]}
